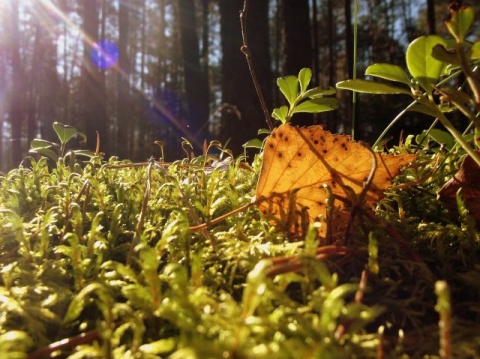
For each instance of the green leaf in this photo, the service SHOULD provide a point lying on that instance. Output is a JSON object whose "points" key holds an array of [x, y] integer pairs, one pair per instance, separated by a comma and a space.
{"points": [[460, 22], [289, 87], [79, 302], [38, 143], [161, 346], [421, 63], [440, 53], [138, 296], [389, 72], [254, 143], [304, 77], [442, 137], [475, 51], [65, 132], [316, 105], [45, 152], [126, 273], [14, 342], [85, 153], [318, 92], [280, 113], [372, 87], [264, 131]]}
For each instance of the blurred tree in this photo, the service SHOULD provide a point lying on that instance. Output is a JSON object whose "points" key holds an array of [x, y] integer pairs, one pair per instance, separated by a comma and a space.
{"points": [[180, 58], [431, 17], [124, 123], [297, 39], [93, 98], [237, 86], [17, 113], [297, 43], [195, 79]]}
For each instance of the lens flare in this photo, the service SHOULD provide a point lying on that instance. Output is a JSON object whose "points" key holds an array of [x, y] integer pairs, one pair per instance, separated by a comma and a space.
{"points": [[104, 54]]}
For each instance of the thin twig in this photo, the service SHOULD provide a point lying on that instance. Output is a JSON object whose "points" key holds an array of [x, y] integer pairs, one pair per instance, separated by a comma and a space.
{"points": [[65, 344], [221, 218], [141, 219], [246, 51]]}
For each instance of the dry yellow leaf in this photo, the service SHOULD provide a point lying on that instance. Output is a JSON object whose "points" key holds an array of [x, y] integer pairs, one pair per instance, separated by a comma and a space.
{"points": [[298, 164]]}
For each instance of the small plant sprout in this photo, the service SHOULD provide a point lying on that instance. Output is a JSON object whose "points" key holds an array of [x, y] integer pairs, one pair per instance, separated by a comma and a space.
{"points": [[301, 99]]}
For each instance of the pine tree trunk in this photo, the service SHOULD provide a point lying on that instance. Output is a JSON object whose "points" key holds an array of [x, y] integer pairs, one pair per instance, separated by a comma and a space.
{"points": [[196, 86], [296, 36], [93, 96], [431, 16], [237, 85], [17, 114], [124, 126], [297, 40]]}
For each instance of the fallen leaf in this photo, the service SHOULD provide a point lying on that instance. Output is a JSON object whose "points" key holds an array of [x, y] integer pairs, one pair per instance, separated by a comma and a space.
{"points": [[297, 165], [466, 178]]}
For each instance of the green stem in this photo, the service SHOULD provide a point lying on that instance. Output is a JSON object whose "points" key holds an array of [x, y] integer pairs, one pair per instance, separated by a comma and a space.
{"points": [[443, 308], [457, 135], [354, 72], [467, 71], [391, 124]]}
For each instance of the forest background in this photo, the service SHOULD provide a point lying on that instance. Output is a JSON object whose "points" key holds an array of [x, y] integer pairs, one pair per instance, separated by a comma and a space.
{"points": [[141, 71]]}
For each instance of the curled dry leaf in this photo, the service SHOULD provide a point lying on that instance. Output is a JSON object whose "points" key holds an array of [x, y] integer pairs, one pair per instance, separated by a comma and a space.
{"points": [[298, 165], [467, 178]]}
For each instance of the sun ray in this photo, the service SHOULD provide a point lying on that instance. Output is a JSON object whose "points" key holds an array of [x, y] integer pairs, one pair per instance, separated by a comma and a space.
{"points": [[49, 16]]}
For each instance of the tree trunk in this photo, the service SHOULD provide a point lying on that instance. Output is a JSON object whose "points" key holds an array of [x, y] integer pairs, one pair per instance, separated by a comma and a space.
{"points": [[315, 43], [196, 86], [237, 85], [297, 39], [124, 126], [93, 96], [17, 115], [431, 16]]}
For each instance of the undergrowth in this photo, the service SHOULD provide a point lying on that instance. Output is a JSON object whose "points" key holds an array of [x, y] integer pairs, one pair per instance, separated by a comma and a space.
{"points": [[97, 260], [112, 259]]}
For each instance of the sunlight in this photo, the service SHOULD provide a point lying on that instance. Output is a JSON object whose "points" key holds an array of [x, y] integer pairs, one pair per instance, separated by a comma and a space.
{"points": [[66, 31]]}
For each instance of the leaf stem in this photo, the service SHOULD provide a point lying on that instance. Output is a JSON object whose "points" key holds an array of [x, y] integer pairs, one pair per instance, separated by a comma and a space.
{"points": [[449, 126]]}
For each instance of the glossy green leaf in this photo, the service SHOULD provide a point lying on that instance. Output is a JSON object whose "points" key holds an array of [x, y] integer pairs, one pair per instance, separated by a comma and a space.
{"points": [[289, 87], [254, 143], [475, 51], [304, 77], [280, 113], [389, 72], [460, 22], [64, 132], [38, 143], [44, 148], [84, 153], [372, 87], [316, 105], [318, 92], [45, 152], [442, 137], [264, 131], [421, 63]]}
